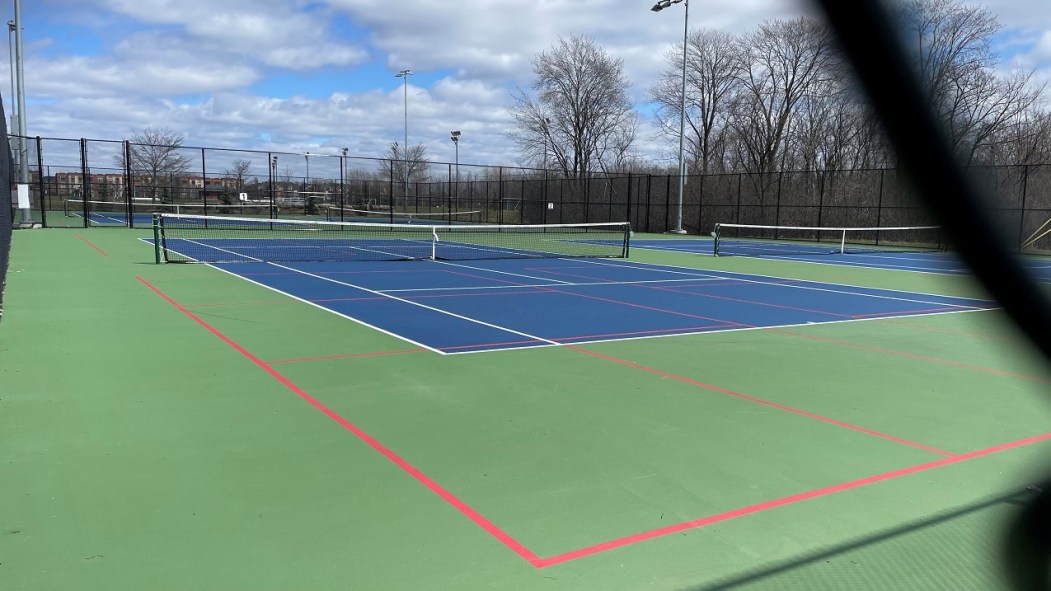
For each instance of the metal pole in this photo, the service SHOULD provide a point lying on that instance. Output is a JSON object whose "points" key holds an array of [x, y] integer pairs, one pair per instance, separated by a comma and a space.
{"points": [[682, 124], [12, 100], [21, 83], [23, 156], [405, 198], [455, 137], [659, 6], [404, 75], [342, 183]]}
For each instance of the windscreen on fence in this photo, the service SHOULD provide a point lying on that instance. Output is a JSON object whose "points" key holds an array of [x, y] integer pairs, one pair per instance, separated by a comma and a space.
{"points": [[6, 211]]}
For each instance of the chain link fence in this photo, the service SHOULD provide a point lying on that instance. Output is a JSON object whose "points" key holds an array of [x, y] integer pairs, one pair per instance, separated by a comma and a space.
{"points": [[82, 183], [7, 211]]}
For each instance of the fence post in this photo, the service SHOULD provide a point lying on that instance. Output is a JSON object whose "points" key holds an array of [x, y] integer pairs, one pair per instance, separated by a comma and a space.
{"points": [[129, 182], [85, 184], [879, 202], [649, 198], [627, 212], [543, 214], [740, 181], [1021, 214], [500, 195], [391, 200], [40, 181], [777, 202], [821, 197], [667, 202], [700, 207]]}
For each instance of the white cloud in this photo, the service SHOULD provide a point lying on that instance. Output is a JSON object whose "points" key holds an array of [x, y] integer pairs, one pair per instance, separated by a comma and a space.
{"points": [[105, 76], [198, 66], [279, 34]]}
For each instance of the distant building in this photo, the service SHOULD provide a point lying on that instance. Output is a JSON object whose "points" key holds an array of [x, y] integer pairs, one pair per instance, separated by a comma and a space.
{"points": [[101, 187]]}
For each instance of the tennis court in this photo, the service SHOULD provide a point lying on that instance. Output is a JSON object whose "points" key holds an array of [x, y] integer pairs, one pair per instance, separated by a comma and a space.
{"points": [[564, 419]]}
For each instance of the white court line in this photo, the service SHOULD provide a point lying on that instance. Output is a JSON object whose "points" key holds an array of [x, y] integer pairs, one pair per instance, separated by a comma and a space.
{"points": [[424, 306], [726, 330], [538, 285], [820, 289], [329, 310], [522, 275], [334, 248]]}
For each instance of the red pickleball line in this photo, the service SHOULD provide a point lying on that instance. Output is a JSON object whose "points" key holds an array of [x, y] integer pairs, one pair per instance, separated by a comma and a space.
{"points": [[524, 552], [783, 501], [783, 407], [411, 470], [88, 242]]}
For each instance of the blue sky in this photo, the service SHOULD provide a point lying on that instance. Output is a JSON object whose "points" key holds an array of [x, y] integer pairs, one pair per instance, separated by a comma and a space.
{"points": [[317, 76]]}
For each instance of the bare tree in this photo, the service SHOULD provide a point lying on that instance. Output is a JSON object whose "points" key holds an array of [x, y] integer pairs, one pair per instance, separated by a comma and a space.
{"points": [[951, 45], [711, 68], [404, 167], [239, 170], [784, 62], [410, 165], [1026, 139], [154, 156], [578, 112]]}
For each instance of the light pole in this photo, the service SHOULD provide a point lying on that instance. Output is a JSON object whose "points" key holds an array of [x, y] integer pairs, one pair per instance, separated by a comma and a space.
{"points": [[20, 96], [11, 52], [547, 138], [404, 75], [306, 184], [659, 6], [343, 186], [455, 137]]}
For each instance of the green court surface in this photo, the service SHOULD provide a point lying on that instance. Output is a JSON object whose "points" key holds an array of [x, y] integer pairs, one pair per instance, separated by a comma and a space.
{"points": [[174, 427]]}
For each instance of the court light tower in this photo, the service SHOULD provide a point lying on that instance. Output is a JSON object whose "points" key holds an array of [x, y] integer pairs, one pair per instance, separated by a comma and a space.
{"points": [[404, 75], [547, 140], [455, 137], [659, 6], [13, 111], [343, 187], [23, 159], [306, 183]]}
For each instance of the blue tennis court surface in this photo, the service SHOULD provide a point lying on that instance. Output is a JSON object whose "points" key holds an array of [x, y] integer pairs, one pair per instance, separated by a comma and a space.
{"points": [[474, 306]]}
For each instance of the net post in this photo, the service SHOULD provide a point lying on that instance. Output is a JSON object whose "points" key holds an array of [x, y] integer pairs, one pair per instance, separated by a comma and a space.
{"points": [[156, 239], [434, 243], [843, 242], [715, 241]]}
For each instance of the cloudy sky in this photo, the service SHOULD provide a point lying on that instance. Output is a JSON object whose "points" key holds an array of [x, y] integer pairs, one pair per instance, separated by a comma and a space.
{"points": [[318, 75]]}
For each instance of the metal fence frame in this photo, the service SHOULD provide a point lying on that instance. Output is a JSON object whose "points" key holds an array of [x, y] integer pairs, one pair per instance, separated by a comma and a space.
{"points": [[302, 185], [7, 212]]}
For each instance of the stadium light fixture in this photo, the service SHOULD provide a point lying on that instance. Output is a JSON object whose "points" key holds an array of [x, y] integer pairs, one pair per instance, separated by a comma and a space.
{"points": [[659, 6]]}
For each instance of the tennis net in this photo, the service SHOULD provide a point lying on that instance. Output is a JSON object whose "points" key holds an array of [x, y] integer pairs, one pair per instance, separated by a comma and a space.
{"points": [[786, 241], [212, 239], [116, 212], [335, 213]]}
